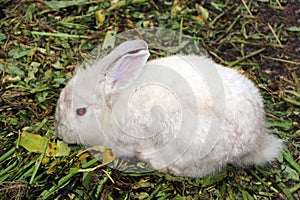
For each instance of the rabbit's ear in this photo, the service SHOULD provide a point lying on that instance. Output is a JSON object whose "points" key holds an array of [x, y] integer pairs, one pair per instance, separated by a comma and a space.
{"points": [[125, 70]]}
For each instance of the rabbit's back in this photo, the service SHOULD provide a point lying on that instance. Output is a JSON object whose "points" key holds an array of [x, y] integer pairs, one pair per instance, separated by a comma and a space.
{"points": [[243, 137]]}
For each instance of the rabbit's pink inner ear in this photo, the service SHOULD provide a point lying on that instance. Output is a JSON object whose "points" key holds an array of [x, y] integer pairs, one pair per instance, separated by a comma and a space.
{"points": [[127, 69]]}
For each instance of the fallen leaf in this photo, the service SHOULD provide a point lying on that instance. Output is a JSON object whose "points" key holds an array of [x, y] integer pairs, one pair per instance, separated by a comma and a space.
{"points": [[35, 143], [100, 17], [108, 155]]}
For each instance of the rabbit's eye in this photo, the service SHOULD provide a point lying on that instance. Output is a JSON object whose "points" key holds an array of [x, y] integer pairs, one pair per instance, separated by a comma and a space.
{"points": [[80, 111]]}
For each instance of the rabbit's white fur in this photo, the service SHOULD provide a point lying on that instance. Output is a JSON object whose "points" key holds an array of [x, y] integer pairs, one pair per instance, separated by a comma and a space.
{"points": [[102, 88]]}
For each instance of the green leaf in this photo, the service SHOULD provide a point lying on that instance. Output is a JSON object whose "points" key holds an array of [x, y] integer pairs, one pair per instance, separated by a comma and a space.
{"points": [[63, 4], [210, 180], [204, 13], [30, 10], [18, 53], [2, 36], [32, 142], [33, 69], [86, 179], [141, 195], [290, 173], [14, 70], [35, 143], [285, 125], [294, 29], [109, 40], [62, 149]]}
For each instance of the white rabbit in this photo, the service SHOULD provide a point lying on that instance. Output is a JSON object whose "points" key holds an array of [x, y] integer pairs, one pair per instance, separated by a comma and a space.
{"points": [[175, 113]]}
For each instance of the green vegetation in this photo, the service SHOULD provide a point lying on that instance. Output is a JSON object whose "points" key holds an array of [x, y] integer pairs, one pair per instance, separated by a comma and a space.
{"points": [[42, 42]]}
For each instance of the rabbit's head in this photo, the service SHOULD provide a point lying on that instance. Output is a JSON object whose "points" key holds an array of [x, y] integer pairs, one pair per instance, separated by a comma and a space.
{"points": [[89, 94]]}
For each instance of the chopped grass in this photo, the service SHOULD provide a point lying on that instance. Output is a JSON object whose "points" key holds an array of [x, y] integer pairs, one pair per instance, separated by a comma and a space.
{"points": [[42, 42]]}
